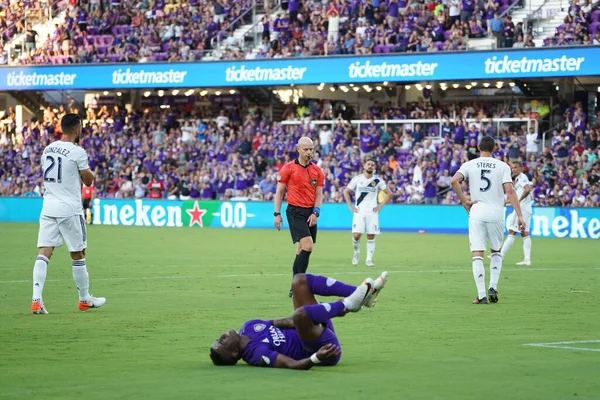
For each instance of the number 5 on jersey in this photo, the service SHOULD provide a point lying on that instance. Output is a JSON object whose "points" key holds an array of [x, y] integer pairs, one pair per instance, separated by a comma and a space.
{"points": [[48, 174], [488, 182]]}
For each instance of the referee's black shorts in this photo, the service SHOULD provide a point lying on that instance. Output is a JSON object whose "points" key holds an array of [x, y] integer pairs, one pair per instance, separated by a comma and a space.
{"points": [[298, 222]]}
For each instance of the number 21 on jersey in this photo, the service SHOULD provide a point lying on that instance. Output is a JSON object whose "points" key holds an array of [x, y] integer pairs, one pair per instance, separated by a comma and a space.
{"points": [[49, 175]]}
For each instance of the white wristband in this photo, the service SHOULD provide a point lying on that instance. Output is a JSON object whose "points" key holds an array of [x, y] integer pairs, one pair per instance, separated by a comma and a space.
{"points": [[315, 359]]}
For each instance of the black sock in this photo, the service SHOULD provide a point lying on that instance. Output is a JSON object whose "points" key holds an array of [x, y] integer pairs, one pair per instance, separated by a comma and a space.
{"points": [[303, 258], [295, 267]]}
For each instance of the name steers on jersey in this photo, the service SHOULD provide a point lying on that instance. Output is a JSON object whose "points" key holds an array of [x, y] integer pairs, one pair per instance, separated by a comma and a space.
{"points": [[366, 191], [486, 177]]}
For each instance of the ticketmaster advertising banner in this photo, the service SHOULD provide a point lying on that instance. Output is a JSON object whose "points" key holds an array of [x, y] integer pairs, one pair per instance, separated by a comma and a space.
{"points": [[506, 64], [577, 223]]}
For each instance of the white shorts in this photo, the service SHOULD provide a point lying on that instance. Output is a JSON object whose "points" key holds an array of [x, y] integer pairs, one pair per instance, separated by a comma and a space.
{"points": [[512, 223], [53, 230], [365, 223], [480, 231]]}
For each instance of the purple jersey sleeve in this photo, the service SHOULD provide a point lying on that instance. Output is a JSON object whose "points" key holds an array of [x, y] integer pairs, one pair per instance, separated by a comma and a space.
{"points": [[267, 342]]}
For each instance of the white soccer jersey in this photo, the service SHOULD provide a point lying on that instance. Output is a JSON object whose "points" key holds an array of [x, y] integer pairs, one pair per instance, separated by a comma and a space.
{"points": [[520, 182], [61, 163], [366, 191], [487, 177]]}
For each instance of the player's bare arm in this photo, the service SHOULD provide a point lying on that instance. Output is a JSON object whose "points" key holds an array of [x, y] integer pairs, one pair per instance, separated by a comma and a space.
{"points": [[278, 221], [526, 191], [456, 181], [388, 197], [285, 323], [514, 201], [312, 220], [87, 177], [346, 194], [327, 352]]}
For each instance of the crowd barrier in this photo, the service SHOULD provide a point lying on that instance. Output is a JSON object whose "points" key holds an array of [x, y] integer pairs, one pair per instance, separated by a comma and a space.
{"points": [[579, 223]]}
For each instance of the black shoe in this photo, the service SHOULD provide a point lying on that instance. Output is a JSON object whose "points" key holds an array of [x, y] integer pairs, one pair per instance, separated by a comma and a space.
{"points": [[291, 293], [493, 295], [483, 300]]}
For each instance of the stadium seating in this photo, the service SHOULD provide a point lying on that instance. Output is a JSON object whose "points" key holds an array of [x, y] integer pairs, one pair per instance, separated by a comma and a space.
{"points": [[185, 31], [220, 154], [581, 27]]}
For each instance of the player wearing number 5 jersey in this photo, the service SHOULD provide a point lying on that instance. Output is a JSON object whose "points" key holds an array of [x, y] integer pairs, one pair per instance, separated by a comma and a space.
{"points": [[64, 166], [488, 180]]}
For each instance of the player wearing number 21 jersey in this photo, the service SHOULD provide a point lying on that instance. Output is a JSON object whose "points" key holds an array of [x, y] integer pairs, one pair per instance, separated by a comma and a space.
{"points": [[64, 166], [488, 179]]}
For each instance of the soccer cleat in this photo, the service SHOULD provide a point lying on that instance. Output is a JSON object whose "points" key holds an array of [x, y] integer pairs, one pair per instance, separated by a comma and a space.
{"points": [[492, 295], [369, 263], [526, 262], [358, 298], [93, 302], [377, 287], [483, 300], [37, 307], [291, 294], [355, 259]]}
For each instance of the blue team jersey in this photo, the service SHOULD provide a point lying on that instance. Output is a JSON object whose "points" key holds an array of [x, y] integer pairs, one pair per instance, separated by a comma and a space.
{"points": [[268, 341]]}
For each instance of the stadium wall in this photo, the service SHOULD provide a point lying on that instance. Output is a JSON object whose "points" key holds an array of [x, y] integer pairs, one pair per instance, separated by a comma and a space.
{"points": [[505, 64], [579, 223]]}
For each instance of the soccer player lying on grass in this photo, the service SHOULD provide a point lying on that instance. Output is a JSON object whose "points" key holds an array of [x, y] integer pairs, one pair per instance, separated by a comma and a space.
{"points": [[305, 339]]}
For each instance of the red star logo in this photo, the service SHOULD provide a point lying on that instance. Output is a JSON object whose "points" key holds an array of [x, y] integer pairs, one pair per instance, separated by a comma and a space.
{"points": [[196, 215]]}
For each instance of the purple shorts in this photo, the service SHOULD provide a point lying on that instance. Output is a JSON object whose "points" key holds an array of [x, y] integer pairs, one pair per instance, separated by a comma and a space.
{"points": [[328, 336]]}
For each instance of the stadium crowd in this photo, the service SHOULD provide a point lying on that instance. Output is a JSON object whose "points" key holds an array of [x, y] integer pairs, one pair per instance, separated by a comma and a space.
{"points": [[215, 153], [98, 31], [581, 26]]}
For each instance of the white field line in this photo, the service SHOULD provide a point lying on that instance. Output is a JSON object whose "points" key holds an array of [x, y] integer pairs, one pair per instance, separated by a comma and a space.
{"points": [[255, 275], [561, 345]]}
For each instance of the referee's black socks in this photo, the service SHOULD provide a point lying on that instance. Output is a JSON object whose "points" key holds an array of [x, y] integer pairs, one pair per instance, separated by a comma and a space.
{"points": [[302, 263], [295, 267]]}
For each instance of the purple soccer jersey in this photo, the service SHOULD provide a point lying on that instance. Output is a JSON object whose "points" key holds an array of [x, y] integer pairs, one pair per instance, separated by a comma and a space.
{"points": [[267, 342]]}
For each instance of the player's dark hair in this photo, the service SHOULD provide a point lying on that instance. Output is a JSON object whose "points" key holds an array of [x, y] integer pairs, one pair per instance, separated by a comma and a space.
{"points": [[519, 163], [487, 144], [219, 359], [69, 123], [370, 159]]}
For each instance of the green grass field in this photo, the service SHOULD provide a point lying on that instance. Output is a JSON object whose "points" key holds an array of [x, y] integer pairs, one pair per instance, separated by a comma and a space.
{"points": [[172, 292]]}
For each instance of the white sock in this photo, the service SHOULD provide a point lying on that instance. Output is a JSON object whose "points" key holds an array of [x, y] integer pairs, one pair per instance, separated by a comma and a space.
{"points": [[527, 247], [356, 245], [510, 239], [80, 276], [479, 275], [370, 249], [40, 269], [495, 269]]}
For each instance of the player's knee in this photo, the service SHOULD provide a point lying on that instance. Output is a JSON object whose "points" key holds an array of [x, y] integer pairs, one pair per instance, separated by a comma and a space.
{"points": [[307, 246], [46, 252], [299, 280], [299, 316], [370, 237], [78, 255], [357, 236]]}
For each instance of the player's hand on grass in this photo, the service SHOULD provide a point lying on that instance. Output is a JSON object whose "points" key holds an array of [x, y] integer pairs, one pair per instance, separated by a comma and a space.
{"points": [[312, 220], [328, 352], [278, 222]]}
